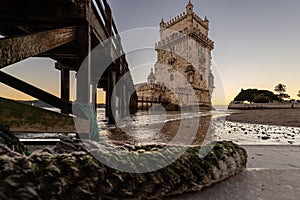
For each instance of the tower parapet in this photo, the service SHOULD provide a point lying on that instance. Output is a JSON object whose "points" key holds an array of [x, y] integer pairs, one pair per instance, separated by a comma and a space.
{"points": [[186, 22], [177, 36], [182, 16]]}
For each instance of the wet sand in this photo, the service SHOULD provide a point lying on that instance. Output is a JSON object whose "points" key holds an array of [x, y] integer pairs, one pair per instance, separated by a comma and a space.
{"points": [[272, 173], [280, 117], [185, 131]]}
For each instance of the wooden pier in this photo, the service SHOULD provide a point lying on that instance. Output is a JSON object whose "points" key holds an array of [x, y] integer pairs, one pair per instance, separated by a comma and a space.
{"points": [[66, 31], [145, 104]]}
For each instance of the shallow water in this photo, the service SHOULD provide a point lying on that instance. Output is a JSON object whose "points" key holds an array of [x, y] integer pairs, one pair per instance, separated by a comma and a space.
{"points": [[161, 127]]}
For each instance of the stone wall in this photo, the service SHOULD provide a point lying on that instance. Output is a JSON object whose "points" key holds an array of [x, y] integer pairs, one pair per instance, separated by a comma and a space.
{"points": [[253, 106]]}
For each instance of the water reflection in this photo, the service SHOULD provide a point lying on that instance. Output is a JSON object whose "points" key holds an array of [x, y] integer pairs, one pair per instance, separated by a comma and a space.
{"points": [[145, 127]]}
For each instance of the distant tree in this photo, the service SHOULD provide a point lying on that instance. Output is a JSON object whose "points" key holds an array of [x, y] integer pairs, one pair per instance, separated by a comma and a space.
{"points": [[261, 98], [245, 95], [298, 95], [284, 96], [280, 89], [261, 95]]}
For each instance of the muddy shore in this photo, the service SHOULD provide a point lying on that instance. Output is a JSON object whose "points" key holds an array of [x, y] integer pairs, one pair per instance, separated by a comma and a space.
{"points": [[280, 117]]}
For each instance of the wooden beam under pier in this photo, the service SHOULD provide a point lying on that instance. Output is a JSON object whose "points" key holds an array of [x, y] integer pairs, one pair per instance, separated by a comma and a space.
{"points": [[34, 92], [15, 49]]}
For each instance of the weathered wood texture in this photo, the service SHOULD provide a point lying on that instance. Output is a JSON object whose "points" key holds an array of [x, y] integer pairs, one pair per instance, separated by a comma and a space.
{"points": [[15, 49], [34, 28], [38, 12]]}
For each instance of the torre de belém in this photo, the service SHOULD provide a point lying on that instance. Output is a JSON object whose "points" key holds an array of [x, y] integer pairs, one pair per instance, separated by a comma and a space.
{"points": [[183, 66]]}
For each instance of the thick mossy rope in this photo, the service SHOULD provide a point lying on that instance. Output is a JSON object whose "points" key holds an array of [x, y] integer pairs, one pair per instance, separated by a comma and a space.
{"points": [[10, 141], [80, 176]]}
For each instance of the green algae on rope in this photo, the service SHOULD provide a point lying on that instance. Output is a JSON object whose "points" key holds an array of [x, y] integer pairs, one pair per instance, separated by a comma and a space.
{"points": [[79, 175]]}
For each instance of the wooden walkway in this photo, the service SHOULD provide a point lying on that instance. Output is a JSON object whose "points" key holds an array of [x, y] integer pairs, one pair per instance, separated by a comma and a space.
{"points": [[66, 31]]}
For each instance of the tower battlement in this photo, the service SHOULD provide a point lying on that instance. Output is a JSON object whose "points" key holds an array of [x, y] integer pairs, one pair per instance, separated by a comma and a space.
{"points": [[180, 36], [182, 16], [188, 23]]}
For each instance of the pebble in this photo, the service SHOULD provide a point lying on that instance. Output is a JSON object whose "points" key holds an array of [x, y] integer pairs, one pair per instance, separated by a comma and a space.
{"points": [[245, 133], [265, 138]]}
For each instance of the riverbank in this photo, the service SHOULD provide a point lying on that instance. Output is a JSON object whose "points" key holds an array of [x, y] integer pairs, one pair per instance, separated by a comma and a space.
{"points": [[279, 117], [25, 118]]}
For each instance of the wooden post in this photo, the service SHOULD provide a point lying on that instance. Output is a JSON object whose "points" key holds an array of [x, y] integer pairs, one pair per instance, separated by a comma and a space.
{"points": [[123, 96], [147, 104], [112, 103], [107, 100], [111, 97], [123, 108], [108, 96], [65, 88], [120, 100], [84, 78], [94, 97], [151, 101]]}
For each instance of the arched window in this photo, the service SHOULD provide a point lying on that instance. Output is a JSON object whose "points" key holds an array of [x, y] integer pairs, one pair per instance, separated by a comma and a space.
{"points": [[171, 61], [190, 72], [159, 98], [171, 77], [190, 77]]}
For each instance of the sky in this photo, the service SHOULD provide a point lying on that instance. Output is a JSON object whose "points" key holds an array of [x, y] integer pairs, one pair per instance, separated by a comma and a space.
{"points": [[256, 44]]}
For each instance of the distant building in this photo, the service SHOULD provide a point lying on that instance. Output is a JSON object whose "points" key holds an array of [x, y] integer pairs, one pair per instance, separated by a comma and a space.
{"points": [[151, 92], [183, 67]]}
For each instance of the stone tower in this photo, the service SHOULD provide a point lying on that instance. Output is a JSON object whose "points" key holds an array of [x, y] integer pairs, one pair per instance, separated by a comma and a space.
{"points": [[184, 50]]}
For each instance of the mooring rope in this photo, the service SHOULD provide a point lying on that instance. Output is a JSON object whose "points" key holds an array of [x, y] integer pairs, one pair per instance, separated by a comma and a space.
{"points": [[89, 114]]}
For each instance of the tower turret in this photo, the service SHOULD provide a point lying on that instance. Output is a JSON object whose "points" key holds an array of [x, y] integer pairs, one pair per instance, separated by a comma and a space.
{"points": [[151, 77], [190, 8], [162, 23], [206, 21]]}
